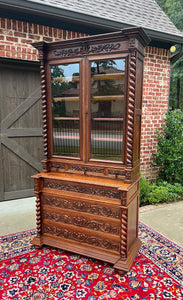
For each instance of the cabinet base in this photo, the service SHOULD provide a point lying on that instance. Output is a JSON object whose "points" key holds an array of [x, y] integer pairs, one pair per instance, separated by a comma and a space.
{"points": [[124, 265], [120, 264], [37, 242]]}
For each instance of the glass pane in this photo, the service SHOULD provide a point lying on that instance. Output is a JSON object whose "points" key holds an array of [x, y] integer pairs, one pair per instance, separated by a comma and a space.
{"points": [[107, 109], [65, 109]]}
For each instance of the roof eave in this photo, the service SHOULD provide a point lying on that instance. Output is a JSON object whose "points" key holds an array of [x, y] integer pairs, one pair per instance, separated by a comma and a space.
{"points": [[83, 19]]}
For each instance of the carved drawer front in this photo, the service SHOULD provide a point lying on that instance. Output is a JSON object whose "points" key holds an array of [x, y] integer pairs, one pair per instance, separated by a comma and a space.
{"points": [[80, 204], [87, 188], [95, 224]]}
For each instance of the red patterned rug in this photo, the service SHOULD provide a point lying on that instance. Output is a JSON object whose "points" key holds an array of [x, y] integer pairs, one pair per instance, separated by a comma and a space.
{"points": [[26, 273]]}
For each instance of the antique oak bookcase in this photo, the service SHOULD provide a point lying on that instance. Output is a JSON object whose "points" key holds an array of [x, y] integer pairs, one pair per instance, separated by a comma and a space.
{"points": [[87, 194]]}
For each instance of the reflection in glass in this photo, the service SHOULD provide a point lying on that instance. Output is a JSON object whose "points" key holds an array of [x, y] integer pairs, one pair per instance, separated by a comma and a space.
{"points": [[65, 109], [107, 108]]}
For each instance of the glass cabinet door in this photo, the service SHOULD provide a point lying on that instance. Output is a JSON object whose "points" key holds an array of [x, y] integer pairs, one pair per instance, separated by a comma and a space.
{"points": [[66, 109], [107, 109]]}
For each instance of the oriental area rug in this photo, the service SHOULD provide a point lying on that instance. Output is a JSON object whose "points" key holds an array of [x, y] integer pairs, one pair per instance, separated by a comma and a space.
{"points": [[49, 273]]}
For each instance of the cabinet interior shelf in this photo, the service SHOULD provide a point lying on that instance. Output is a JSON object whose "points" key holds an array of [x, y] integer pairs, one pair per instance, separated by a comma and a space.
{"points": [[93, 98], [113, 76], [93, 119], [65, 119]]}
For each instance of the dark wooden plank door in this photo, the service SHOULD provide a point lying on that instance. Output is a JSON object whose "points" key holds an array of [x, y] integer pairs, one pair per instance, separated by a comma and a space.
{"points": [[20, 128]]}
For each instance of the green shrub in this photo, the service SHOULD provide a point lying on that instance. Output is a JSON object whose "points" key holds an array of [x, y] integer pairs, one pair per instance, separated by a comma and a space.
{"points": [[159, 192], [169, 156], [144, 191]]}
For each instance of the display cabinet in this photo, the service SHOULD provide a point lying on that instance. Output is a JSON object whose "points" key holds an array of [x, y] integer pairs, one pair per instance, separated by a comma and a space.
{"points": [[87, 194]]}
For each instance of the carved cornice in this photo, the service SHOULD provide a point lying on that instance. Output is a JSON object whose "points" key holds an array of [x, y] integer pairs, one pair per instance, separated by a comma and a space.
{"points": [[86, 48], [81, 237], [82, 207]]}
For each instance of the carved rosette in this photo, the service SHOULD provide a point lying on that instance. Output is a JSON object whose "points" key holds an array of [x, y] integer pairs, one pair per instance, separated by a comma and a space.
{"points": [[131, 106], [38, 215], [123, 198], [124, 224]]}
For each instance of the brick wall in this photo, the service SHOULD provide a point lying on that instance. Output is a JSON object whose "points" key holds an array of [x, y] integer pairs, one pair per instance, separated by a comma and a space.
{"points": [[155, 103], [15, 39], [16, 36]]}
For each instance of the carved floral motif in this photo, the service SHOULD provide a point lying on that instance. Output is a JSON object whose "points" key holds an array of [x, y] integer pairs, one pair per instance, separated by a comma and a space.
{"points": [[85, 169], [82, 222], [82, 189], [57, 166], [115, 172], [85, 48], [82, 206], [82, 237]]}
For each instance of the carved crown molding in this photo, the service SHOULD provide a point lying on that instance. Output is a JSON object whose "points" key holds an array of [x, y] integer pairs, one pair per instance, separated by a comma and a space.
{"points": [[86, 48]]}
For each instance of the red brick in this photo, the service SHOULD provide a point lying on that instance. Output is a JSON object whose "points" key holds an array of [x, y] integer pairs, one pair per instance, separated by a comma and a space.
{"points": [[19, 34], [47, 39], [12, 39], [30, 28], [155, 103], [25, 24], [35, 28], [23, 56], [69, 34], [26, 41], [20, 26], [50, 29], [45, 30], [8, 54], [14, 25], [34, 57], [3, 23], [8, 23], [60, 34], [55, 32], [19, 55]]}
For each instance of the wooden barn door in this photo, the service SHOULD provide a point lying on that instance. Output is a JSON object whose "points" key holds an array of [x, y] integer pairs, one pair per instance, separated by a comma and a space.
{"points": [[20, 128]]}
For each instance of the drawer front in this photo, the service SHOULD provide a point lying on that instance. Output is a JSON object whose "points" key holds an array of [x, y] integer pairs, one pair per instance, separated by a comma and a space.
{"points": [[85, 206], [82, 221], [86, 188]]}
